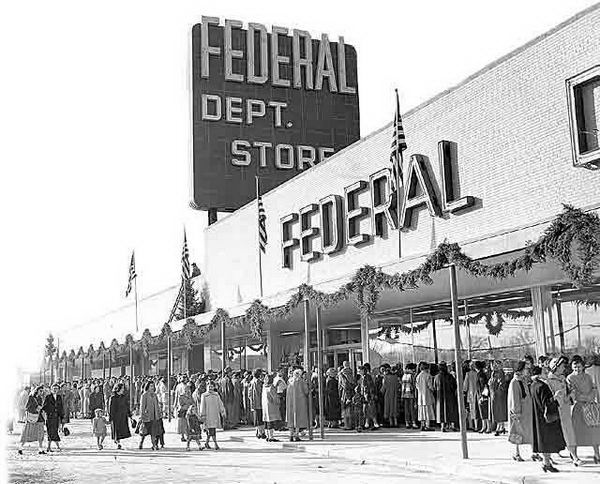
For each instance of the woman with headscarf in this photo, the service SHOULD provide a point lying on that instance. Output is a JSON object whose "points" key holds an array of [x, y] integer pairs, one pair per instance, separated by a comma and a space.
{"points": [[55, 412], [270, 407], [557, 382], [498, 398], [333, 410], [84, 392], [369, 394], [389, 392], [297, 405], [470, 391], [520, 411], [446, 404], [483, 396], [583, 392], [150, 415], [34, 421], [346, 392], [547, 433], [119, 414]]}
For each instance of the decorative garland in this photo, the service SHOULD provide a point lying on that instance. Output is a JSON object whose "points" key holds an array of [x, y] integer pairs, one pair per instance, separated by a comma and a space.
{"points": [[573, 230]]}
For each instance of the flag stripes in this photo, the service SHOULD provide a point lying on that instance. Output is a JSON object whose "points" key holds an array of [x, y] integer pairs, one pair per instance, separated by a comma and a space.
{"points": [[262, 225], [185, 260], [398, 146], [132, 274]]}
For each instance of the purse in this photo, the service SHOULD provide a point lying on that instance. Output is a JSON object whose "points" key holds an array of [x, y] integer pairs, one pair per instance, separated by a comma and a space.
{"points": [[591, 414], [515, 433], [32, 417]]}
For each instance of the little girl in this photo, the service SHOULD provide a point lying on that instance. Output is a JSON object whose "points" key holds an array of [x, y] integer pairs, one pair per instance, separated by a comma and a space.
{"points": [[194, 427], [212, 411], [99, 427]]}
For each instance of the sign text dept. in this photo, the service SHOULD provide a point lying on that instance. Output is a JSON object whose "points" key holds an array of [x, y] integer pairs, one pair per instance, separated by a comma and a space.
{"points": [[266, 102]]}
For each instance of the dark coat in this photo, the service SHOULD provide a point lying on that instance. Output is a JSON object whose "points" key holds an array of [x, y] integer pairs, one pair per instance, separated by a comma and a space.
{"points": [[119, 413], [333, 408], [446, 405], [96, 401], [498, 397], [547, 437], [54, 415]]}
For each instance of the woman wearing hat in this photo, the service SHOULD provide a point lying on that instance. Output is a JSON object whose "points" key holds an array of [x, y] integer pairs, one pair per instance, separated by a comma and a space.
{"points": [[119, 413], [333, 407], [557, 382], [297, 405], [520, 410]]}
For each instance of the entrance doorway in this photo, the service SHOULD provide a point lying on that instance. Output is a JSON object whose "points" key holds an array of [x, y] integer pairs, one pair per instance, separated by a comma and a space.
{"points": [[335, 357]]}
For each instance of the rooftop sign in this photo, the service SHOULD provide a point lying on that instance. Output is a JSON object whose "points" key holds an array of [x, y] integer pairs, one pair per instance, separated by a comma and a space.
{"points": [[268, 103]]}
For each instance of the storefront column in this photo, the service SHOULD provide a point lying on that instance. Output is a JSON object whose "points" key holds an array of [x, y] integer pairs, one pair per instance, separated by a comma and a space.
{"points": [[273, 350], [364, 338], [539, 301]]}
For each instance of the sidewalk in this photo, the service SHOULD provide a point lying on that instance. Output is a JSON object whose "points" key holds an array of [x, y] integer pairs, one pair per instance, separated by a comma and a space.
{"points": [[436, 452]]}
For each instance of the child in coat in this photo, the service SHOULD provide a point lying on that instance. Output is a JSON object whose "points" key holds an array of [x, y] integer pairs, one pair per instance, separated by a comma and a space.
{"points": [[212, 411], [194, 427], [358, 412], [99, 427]]}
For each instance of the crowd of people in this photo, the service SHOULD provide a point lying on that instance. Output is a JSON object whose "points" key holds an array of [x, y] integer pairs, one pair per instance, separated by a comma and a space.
{"points": [[551, 406]]}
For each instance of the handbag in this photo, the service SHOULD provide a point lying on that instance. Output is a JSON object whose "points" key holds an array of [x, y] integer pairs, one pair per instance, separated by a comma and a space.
{"points": [[515, 433], [591, 414], [32, 417], [66, 431]]}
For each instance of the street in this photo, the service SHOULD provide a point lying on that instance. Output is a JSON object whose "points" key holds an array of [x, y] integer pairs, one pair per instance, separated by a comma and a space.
{"points": [[237, 461]]}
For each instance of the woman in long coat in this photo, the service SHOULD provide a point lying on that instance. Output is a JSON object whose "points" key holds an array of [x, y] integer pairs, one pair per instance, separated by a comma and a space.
{"points": [[270, 408], [53, 406], [547, 436], [333, 409], [520, 411], [84, 392], [498, 398], [150, 415], [34, 421], [96, 401], [76, 401], [389, 392], [119, 414], [297, 405], [483, 398], [183, 403], [346, 392], [581, 387], [558, 385], [446, 405], [425, 397]]}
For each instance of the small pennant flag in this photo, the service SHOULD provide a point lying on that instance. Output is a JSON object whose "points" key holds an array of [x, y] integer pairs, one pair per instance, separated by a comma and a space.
{"points": [[262, 225], [185, 260], [132, 274], [398, 145]]}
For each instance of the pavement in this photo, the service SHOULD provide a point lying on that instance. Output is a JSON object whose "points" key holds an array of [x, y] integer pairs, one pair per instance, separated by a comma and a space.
{"points": [[388, 455]]}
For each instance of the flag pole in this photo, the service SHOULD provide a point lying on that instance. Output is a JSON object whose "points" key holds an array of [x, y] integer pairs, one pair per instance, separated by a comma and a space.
{"points": [[398, 180], [184, 281], [260, 275], [136, 303]]}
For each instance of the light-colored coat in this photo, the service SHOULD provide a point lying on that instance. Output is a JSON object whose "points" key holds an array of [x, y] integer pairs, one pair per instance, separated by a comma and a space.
{"points": [[520, 409], [270, 404], [558, 385], [297, 403], [211, 409]]}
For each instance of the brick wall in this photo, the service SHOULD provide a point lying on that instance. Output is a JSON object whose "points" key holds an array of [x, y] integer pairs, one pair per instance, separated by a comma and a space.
{"points": [[510, 123]]}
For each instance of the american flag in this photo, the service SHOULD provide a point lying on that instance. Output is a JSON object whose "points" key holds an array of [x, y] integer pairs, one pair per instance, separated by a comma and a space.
{"points": [[398, 146], [262, 221], [185, 260], [132, 274]]}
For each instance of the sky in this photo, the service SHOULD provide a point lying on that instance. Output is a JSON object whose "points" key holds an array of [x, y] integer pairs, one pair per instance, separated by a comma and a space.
{"points": [[96, 145]]}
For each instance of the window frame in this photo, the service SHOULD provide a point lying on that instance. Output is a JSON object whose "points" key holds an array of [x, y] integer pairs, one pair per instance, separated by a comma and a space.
{"points": [[591, 158]]}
